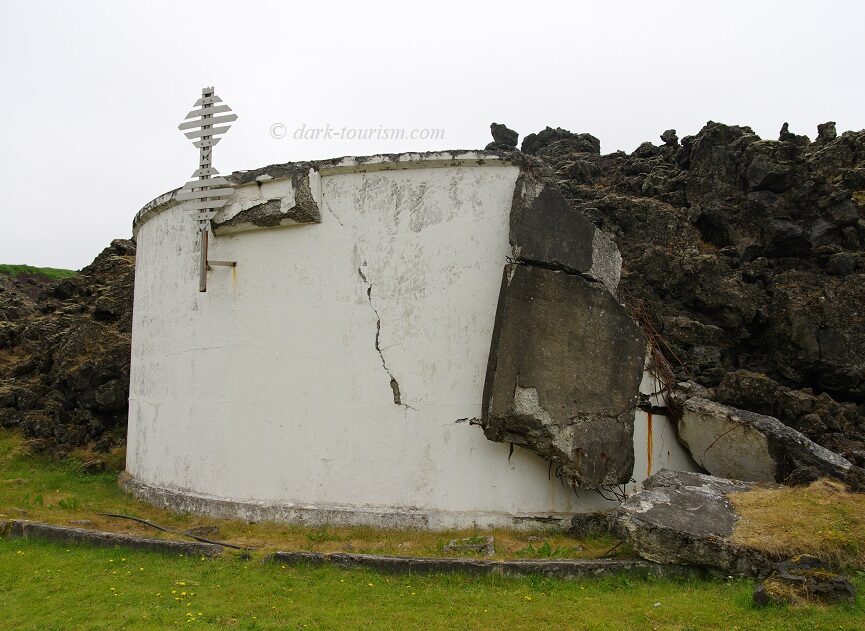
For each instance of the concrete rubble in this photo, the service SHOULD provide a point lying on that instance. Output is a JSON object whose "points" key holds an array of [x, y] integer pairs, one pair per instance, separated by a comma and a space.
{"points": [[686, 518], [802, 579], [477, 545], [297, 204], [733, 443], [566, 358]]}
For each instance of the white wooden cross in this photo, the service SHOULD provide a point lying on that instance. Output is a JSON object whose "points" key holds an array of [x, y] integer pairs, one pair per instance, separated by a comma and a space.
{"points": [[209, 193]]}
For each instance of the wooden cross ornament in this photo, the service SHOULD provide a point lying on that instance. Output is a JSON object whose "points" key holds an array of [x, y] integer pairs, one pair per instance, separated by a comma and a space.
{"points": [[207, 194]]}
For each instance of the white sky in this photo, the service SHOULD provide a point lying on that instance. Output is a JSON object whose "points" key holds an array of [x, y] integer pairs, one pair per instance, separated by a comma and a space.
{"points": [[92, 92]]}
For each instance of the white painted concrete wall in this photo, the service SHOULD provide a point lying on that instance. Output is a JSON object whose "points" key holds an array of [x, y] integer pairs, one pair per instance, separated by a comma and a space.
{"points": [[268, 388]]}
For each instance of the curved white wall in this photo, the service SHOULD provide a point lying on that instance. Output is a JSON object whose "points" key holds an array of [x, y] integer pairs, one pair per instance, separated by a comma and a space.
{"points": [[267, 392]]}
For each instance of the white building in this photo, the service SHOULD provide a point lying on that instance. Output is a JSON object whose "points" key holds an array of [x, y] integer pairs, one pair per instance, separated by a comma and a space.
{"points": [[333, 375]]}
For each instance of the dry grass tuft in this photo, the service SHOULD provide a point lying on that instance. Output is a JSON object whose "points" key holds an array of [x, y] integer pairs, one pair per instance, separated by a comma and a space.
{"points": [[783, 592], [823, 520], [92, 461]]}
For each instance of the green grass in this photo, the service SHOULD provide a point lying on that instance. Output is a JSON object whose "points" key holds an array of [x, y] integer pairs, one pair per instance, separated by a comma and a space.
{"points": [[45, 586], [50, 272], [48, 586]]}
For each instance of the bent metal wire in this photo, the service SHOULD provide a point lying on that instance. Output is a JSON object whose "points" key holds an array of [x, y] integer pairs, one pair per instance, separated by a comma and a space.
{"points": [[207, 194]]}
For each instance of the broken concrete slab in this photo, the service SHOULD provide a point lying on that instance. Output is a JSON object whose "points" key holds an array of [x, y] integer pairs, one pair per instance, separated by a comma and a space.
{"points": [[266, 204], [686, 518], [559, 568], [477, 545], [64, 534], [563, 378], [547, 232], [734, 443]]}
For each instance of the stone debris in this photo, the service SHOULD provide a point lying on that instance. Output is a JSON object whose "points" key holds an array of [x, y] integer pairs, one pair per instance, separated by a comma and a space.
{"points": [[296, 205], [504, 139], [551, 568], [66, 535], [564, 375], [686, 518], [826, 132], [670, 138], [546, 232], [585, 525], [733, 443], [477, 545], [565, 142], [566, 359], [803, 579]]}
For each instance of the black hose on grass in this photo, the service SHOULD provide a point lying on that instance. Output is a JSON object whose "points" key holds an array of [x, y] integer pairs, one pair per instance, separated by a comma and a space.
{"points": [[610, 550], [174, 532]]}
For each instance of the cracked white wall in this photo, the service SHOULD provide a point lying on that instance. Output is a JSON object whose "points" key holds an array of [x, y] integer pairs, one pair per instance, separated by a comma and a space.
{"points": [[275, 386], [656, 445]]}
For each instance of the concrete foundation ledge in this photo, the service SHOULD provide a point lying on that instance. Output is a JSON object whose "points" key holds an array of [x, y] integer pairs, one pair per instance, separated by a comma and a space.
{"points": [[561, 568], [24, 529], [393, 518]]}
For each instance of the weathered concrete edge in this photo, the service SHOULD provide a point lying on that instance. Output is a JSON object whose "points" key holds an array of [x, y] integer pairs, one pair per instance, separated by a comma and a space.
{"points": [[346, 164], [64, 534], [563, 568], [334, 515]]}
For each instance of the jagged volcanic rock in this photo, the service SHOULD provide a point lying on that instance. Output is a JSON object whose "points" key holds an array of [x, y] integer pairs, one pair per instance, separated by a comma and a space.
{"points": [[64, 354], [745, 256]]}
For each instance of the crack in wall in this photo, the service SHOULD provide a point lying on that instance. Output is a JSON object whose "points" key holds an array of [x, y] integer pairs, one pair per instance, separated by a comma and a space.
{"points": [[338, 220], [556, 267], [394, 384]]}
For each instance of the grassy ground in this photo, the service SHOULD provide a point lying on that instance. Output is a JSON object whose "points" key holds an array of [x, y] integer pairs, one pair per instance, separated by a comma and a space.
{"points": [[43, 586], [823, 520], [48, 586], [50, 272], [34, 488]]}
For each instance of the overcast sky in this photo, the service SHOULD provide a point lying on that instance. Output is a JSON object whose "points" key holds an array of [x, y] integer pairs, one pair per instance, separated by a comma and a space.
{"points": [[92, 92]]}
